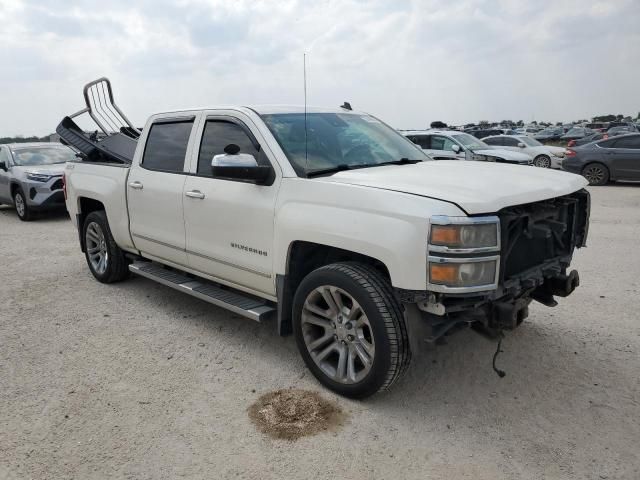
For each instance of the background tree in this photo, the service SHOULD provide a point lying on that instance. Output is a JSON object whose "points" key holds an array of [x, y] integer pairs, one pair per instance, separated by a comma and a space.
{"points": [[438, 124]]}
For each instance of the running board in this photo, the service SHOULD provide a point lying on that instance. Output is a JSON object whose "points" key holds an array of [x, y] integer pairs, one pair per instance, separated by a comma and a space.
{"points": [[237, 302]]}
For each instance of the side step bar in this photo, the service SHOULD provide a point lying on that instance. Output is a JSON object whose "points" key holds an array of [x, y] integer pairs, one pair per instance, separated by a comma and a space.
{"points": [[238, 302]]}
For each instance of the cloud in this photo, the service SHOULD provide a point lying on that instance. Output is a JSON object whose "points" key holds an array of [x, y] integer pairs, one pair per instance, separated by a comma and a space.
{"points": [[409, 62]]}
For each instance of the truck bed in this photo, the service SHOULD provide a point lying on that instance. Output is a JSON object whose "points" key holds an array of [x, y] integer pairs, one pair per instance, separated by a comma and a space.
{"points": [[105, 183]]}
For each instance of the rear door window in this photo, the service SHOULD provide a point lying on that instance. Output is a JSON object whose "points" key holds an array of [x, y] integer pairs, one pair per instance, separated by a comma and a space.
{"points": [[493, 141], [628, 142], [167, 146], [424, 141]]}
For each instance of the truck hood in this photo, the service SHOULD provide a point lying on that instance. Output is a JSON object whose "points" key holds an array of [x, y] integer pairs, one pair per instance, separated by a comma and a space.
{"points": [[476, 187], [502, 153]]}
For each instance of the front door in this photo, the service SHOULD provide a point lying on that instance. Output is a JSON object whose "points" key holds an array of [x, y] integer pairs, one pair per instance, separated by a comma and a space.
{"points": [[155, 191], [229, 224]]}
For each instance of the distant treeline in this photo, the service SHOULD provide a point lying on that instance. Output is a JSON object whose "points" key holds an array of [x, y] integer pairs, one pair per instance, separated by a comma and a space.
{"points": [[21, 139]]}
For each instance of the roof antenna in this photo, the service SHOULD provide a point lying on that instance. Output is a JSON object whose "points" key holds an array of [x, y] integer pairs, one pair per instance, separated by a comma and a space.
{"points": [[346, 106], [306, 151]]}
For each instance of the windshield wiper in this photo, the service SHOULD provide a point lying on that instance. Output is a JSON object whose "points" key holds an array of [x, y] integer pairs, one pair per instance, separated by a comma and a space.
{"points": [[402, 161], [342, 167], [327, 171]]}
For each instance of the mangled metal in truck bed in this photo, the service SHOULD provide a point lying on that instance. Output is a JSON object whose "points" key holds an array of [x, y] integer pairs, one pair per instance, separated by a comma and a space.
{"points": [[120, 137]]}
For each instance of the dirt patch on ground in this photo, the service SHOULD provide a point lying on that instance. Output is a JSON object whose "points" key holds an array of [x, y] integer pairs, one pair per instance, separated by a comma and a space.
{"points": [[291, 413]]}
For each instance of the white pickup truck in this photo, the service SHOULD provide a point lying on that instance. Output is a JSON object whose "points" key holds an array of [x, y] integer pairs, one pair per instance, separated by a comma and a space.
{"points": [[327, 220]]}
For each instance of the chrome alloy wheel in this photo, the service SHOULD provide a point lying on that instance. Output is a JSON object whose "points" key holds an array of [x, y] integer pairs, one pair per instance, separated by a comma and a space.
{"points": [[96, 248], [542, 161], [20, 207], [337, 334], [594, 174]]}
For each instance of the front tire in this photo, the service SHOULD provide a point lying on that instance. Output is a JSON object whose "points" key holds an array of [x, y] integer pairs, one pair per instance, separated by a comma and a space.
{"points": [[542, 161], [596, 173], [350, 329], [105, 259], [22, 209]]}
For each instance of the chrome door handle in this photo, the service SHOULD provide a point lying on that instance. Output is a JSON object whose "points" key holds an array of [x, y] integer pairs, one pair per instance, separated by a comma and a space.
{"points": [[195, 194], [136, 185]]}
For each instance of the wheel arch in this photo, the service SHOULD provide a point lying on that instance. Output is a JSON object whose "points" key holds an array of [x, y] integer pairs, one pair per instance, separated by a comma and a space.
{"points": [[302, 258], [15, 185], [86, 205]]}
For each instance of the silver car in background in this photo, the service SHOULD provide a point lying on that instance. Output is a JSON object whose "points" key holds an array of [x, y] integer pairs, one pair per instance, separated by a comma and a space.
{"points": [[31, 176]]}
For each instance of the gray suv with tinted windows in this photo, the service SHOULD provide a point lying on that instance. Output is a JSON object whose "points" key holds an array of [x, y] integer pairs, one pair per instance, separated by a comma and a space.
{"points": [[31, 176]]}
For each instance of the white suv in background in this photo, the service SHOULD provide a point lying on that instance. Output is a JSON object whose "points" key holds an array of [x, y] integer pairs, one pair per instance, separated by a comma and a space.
{"points": [[545, 156], [454, 145]]}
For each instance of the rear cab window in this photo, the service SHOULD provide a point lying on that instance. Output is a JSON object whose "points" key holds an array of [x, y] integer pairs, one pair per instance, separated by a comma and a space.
{"points": [[167, 144]]}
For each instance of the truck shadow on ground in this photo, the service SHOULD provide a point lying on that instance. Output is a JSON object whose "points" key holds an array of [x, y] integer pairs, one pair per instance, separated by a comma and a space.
{"points": [[53, 216]]}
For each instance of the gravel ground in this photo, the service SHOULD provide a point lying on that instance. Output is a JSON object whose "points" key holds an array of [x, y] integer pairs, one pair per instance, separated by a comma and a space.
{"points": [[135, 380]]}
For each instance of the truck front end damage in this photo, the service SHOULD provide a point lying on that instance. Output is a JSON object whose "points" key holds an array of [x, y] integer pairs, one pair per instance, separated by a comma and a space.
{"points": [[485, 270]]}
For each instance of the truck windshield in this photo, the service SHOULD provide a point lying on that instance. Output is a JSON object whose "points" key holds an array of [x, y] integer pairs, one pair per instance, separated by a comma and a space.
{"points": [[29, 156], [338, 140]]}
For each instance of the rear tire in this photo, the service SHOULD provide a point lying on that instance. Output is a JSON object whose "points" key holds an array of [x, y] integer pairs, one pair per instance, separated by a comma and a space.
{"points": [[350, 329], [542, 161], [596, 173], [105, 259], [20, 203]]}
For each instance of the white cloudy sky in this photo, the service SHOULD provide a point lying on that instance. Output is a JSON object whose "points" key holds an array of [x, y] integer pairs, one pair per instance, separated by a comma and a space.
{"points": [[409, 62]]}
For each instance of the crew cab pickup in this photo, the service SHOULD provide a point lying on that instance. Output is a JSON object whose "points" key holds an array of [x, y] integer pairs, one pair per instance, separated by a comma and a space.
{"points": [[328, 221]]}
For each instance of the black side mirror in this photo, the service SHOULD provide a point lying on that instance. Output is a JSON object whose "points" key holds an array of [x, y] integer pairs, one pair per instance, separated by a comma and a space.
{"points": [[3, 165]]}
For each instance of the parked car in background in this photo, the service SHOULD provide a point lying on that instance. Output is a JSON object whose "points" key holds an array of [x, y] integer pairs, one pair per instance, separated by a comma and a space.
{"points": [[31, 176], [616, 158], [529, 130], [549, 134], [588, 139], [448, 145], [622, 130], [543, 156], [576, 133], [481, 133], [598, 126]]}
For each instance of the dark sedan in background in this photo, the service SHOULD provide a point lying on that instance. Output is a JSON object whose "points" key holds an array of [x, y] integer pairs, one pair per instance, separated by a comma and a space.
{"points": [[616, 158], [31, 176]]}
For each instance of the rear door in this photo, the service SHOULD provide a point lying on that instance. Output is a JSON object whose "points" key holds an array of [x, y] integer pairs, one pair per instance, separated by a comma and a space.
{"points": [[229, 223], [624, 158], [155, 189]]}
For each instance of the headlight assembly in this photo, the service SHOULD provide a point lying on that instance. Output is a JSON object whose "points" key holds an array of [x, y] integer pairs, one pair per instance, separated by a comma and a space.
{"points": [[454, 261], [463, 273], [464, 234], [38, 177]]}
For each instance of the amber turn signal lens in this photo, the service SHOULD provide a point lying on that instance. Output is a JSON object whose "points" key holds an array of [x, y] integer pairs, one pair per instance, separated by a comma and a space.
{"points": [[444, 274], [445, 235]]}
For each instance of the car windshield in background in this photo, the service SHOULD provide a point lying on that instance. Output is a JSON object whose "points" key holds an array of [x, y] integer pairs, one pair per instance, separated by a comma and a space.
{"points": [[469, 141], [530, 141], [30, 156], [337, 140]]}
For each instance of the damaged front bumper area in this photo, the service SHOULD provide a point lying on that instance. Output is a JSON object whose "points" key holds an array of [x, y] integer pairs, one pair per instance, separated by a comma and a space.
{"points": [[535, 249]]}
